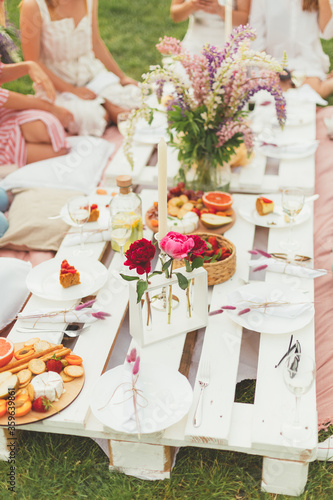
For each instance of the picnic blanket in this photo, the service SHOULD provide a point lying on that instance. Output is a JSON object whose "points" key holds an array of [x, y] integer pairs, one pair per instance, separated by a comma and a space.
{"points": [[323, 258]]}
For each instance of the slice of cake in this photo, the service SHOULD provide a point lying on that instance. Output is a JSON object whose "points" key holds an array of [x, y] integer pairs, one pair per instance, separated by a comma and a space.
{"points": [[94, 213], [264, 206], [68, 275]]}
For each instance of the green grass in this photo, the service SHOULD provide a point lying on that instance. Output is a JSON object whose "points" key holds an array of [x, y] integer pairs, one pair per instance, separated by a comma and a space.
{"points": [[58, 467]]}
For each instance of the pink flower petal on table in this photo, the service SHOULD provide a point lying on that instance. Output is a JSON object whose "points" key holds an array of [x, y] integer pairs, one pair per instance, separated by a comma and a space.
{"points": [[260, 268], [213, 313], [231, 308], [136, 366], [100, 315], [85, 304], [244, 311], [263, 253], [253, 252]]}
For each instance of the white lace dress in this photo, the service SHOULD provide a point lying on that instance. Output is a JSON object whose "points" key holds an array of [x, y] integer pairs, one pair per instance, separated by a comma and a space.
{"points": [[205, 28], [67, 51]]}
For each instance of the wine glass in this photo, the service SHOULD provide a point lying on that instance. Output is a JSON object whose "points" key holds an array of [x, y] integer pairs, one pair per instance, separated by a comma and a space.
{"points": [[121, 230], [79, 210], [122, 122], [299, 371], [292, 204]]}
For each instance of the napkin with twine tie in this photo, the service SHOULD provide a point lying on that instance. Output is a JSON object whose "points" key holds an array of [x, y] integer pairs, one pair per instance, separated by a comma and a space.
{"points": [[272, 303], [280, 266]]}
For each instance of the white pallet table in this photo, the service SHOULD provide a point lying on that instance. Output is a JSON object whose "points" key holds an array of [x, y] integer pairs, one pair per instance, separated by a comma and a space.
{"points": [[227, 425], [120, 165]]}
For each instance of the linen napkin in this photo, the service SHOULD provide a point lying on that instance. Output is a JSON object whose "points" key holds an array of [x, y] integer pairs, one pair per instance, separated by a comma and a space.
{"points": [[129, 421], [293, 150], [244, 298], [59, 316], [72, 239], [278, 266], [52, 337]]}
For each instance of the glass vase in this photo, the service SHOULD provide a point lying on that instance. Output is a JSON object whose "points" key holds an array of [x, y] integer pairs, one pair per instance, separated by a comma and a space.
{"points": [[206, 175]]}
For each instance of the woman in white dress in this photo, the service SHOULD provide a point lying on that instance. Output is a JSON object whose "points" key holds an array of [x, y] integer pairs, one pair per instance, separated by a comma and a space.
{"points": [[63, 37], [296, 26], [206, 23]]}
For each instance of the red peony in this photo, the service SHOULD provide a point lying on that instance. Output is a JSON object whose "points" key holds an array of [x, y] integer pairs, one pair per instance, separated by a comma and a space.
{"points": [[139, 256], [199, 246]]}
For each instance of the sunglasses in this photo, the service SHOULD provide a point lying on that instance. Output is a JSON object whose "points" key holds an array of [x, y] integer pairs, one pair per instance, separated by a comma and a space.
{"points": [[296, 347]]}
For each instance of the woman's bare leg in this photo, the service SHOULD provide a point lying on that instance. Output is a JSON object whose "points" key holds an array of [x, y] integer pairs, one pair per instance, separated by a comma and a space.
{"points": [[35, 131], [113, 111], [38, 142], [38, 152]]}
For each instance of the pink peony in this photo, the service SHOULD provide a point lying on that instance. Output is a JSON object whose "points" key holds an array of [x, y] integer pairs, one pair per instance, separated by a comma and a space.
{"points": [[176, 245]]}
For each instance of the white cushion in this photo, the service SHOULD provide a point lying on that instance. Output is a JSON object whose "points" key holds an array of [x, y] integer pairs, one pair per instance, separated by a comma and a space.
{"points": [[79, 170], [13, 290]]}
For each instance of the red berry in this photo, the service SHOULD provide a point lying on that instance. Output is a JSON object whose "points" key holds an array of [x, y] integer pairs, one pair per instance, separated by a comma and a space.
{"points": [[54, 365], [41, 404]]}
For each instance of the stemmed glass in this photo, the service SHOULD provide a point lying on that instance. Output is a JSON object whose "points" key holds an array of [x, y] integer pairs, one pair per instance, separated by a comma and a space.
{"points": [[79, 210], [120, 231], [122, 122], [299, 371], [292, 204]]}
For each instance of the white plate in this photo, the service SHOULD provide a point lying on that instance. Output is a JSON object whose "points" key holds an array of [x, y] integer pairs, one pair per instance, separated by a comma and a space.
{"points": [[43, 280], [273, 220], [168, 394], [259, 321], [289, 152]]}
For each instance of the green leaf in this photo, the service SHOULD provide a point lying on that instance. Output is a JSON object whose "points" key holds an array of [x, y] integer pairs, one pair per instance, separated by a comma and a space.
{"points": [[155, 273], [129, 278], [141, 287], [166, 265], [198, 262], [182, 281]]}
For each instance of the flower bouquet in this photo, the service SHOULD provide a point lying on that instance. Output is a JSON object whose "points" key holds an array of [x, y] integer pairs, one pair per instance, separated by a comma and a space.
{"points": [[174, 246], [206, 103]]}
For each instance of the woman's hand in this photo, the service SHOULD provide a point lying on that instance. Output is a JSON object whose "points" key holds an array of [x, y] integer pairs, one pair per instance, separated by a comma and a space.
{"points": [[83, 93], [64, 116], [210, 6], [126, 80], [40, 78]]}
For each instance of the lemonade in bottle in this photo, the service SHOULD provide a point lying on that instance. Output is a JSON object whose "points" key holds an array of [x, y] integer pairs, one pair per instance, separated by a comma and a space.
{"points": [[127, 202]]}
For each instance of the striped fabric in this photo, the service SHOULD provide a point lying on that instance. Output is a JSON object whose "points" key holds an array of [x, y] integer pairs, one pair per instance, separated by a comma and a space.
{"points": [[12, 144]]}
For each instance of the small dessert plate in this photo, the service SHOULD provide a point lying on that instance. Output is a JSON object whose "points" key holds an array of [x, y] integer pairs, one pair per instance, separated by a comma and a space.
{"points": [[43, 280]]}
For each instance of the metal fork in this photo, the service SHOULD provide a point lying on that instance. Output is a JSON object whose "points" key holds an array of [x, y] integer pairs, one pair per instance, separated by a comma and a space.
{"points": [[204, 379]]}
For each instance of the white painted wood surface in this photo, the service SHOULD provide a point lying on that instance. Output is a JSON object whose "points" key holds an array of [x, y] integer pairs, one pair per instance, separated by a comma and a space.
{"points": [[227, 425]]}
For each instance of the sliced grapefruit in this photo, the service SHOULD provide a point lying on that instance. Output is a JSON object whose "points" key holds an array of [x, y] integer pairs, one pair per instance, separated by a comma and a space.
{"points": [[6, 351], [218, 200]]}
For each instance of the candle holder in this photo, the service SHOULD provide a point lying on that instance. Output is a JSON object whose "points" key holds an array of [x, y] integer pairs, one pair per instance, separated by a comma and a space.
{"points": [[160, 300]]}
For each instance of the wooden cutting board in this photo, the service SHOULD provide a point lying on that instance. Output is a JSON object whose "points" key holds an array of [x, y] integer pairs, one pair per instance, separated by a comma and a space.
{"points": [[72, 390]]}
